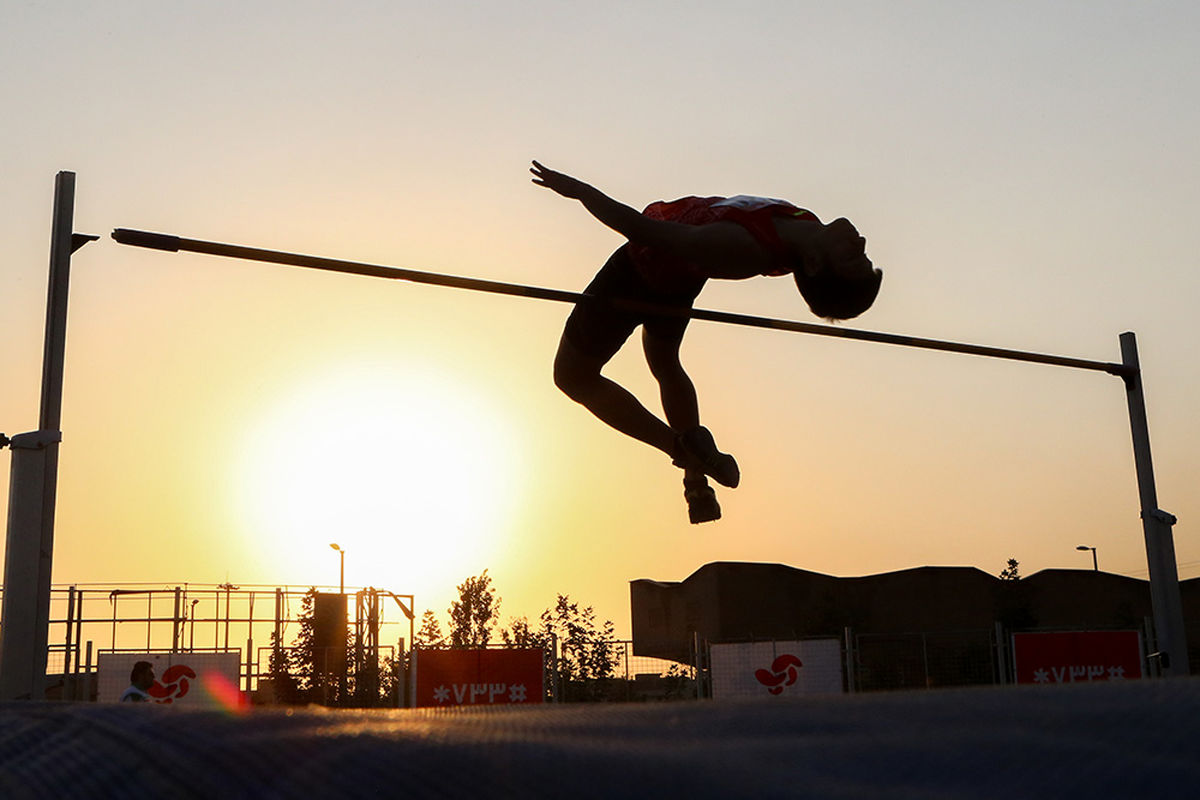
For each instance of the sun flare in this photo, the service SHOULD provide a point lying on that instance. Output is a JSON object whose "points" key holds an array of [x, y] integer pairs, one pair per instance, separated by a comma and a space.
{"points": [[414, 474]]}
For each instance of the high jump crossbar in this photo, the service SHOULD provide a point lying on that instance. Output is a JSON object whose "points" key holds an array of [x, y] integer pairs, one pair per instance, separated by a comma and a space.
{"points": [[1172, 655], [172, 243]]}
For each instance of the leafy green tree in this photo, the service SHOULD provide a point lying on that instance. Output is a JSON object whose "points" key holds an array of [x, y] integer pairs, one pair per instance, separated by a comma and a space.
{"points": [[474, 613]]}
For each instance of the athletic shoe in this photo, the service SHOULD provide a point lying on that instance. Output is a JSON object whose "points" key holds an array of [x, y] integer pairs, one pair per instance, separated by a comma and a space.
{"points": [[696, 448], [702, 503]]}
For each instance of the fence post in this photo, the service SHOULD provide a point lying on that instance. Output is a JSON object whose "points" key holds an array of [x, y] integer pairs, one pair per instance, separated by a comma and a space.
{"points": [[175, 622], [251, 667], [700, 661], [628, 678], [410, 699], [1001, 654], [851, 661], [70, 621], [556, 673], [925, 658], [87, 673], [1150, 645], [400, 667]]}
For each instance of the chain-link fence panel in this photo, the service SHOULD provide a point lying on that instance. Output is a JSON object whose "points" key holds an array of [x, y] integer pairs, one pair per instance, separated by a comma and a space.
{"points": [[925, 660]]}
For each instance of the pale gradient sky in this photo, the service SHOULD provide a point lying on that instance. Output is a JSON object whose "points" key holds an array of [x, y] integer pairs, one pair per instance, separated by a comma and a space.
{"points": [[1026, 175]]}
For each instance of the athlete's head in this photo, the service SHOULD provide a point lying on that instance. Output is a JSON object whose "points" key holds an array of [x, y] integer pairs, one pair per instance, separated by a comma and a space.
{"points": [[835, 277]]}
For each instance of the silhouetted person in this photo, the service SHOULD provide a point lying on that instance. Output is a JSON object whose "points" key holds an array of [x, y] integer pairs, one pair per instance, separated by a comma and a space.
{"points": [[141, 678], [673, 249]]}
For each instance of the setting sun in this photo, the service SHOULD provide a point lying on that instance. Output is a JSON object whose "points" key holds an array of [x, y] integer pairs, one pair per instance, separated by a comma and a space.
{"points": [[403, 465]]}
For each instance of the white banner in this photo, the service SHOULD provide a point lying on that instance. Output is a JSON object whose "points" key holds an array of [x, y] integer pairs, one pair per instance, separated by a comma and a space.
{"points": [[193, 680], [776, 669]]}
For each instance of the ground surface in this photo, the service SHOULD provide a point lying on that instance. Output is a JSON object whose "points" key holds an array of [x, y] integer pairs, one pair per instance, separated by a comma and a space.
{"points": [[1136, 739]]}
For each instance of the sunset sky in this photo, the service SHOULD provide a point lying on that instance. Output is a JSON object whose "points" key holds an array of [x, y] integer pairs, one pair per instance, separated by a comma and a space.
{"points": [[1026, 174]]}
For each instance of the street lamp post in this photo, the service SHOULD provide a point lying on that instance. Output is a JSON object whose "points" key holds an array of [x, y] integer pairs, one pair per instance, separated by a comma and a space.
{"points": [[1085, 548], [342, 574]]}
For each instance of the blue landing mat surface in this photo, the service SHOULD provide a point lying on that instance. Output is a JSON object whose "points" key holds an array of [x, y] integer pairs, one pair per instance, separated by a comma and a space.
{"points": [[1135, 739]]}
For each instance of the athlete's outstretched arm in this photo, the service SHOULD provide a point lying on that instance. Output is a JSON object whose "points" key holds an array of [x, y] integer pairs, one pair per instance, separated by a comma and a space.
{"points": [[716, 245], [623, 219]]}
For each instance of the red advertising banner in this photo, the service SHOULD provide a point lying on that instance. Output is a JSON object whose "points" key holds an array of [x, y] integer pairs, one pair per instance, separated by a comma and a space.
{"points": [[1077, 656], [446, 678]]}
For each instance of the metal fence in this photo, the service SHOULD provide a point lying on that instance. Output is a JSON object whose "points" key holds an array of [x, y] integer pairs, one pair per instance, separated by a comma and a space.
{"points": [[872, 662], [86, 620], [925, 660], [259, 622], [632, 678]]}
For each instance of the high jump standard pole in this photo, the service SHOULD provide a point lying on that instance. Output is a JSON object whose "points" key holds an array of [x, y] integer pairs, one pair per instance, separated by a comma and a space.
{"points": [[25, 613]]}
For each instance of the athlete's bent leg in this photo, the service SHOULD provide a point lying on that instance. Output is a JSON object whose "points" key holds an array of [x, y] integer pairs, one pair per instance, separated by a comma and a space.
{"points": [[676, 389], [577, 374], [683, 412]]}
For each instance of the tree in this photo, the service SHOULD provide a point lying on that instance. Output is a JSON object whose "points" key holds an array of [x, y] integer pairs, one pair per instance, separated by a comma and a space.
{"points": [[519, 634], [585, 654], [586, 651], [429, 635], [316, 680], [1014, 612], [1011, 572], [308, 673], [474, 613], [287, 688]]}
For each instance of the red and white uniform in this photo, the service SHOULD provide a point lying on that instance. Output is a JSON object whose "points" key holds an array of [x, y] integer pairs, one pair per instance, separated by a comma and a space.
{"points": [[755, 214]]}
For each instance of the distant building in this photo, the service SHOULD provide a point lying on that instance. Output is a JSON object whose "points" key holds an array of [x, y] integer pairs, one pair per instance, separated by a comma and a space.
{"points": [[729, 601]]}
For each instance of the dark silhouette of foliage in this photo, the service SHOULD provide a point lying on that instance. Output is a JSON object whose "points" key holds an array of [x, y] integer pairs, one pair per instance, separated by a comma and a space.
{"points": [[304, 672], [1012, 571], [586, 652], [286, 687], [474, 613], [519, 634], [429, 636]]}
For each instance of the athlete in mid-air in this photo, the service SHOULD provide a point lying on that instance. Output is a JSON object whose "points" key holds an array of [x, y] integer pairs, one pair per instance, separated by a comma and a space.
{"points": [[673, 248]]}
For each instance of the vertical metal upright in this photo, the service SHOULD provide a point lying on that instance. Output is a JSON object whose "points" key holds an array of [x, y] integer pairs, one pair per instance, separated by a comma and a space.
{"points": [[25, 613], [1156, 525], [176, 621]]}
